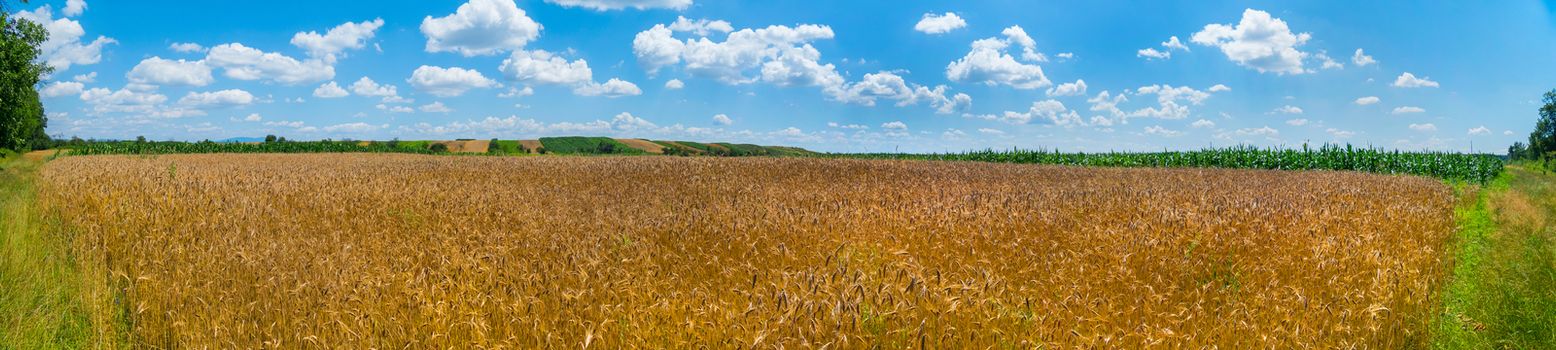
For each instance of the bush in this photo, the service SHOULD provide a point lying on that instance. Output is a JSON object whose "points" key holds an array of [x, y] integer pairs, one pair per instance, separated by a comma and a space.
{"points": [[438, 148]]}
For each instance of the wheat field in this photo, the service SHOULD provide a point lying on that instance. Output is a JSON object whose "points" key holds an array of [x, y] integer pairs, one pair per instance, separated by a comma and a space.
{"points": [[409, 251]]}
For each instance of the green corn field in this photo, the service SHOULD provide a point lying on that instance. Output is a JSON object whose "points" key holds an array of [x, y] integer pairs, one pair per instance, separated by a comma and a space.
{"points": [[1478, 168]]}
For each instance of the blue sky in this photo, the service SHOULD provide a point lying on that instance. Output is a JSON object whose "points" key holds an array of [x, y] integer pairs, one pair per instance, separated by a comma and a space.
{"points": [[827, 75]]}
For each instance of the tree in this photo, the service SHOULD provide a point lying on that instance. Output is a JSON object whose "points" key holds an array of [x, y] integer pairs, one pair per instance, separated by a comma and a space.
{"points": [[1517, 151], [21, 112], [270, 138], [1542, 142]]}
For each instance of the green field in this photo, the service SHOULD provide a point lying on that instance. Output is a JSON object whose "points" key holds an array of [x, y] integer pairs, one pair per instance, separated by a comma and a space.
{"points": [[586, 145]]}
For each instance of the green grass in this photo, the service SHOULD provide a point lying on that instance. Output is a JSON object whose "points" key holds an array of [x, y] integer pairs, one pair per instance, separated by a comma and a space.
{"points": [[504, 147], [40, 289], [586, 145], [1503, 290]]}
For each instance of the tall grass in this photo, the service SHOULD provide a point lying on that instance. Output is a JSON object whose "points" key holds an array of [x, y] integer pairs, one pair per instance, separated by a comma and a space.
{"points": [[1503, 293], [1478, 168], [40, 287]]}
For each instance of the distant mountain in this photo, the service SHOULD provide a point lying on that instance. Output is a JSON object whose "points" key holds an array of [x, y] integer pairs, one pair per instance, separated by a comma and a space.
{"points": [[241, 140]]}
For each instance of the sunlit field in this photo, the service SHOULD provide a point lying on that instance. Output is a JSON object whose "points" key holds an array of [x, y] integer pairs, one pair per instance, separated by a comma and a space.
{"points": [[398, 250]]}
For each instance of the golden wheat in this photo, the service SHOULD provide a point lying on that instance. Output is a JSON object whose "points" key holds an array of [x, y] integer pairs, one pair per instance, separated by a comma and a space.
{"points": [[396, 251]]}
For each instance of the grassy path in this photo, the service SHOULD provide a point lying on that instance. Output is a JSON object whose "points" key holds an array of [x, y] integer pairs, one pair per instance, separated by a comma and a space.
{"points": [[40, 304], [1503, 293]]}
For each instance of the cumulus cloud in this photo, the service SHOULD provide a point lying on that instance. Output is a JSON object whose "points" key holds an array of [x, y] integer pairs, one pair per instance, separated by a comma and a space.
{"points": [[436, 107], [1168, 46], [64, 48], [612, 89], [330, 90], [253, 117], [895, 125], [158, 71], [1288, 109], [62, 88], [231, 97], [74, 8], [481, 27], [1362, 60], [1050, 112], [246, 63], [1202, 123], [367, 87], [1296, 122], [1219, 88], [1408, 110], [514, 92], [1258, 41], [890, 86], [1172, 103], [777, 55], [674, 84], [1077, 88], [358, 127], [1367, 100], [448, 82], [604, 5], [1408, 80], [1479, 131], [348, 36], [187, 47], [1428, 127], [990, 64], [1161, 131], [721, 119], [542, 67], [939, 24]]}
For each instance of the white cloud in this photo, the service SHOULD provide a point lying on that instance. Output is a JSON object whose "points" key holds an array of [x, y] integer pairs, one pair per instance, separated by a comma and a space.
{"points": [[612, 89], [85, 78], [1263, 131], [358, 127], [888, 85], [187, 47], [1168, 46], [436, 107], [139, 104], [231, 97], [1423, 127], [988, 63], [1408, 80], [367, 87], [1219, 88], [1327, 62], [348, 36], [1367, 100], [158, 71], [481, 27], [64, 48], [1172, 103], [675, 84], [895, 125], [1258, 41], [1161, 131], [330, 90], [1077, 88], [1479, 131], [1050, 112], [542, 67], [62, 88], [449, 82], [939, 24], [517, 92], [989, 131], [721, 119], [701, 27], [1507, 132], [74, 8], [1288, 109], [246, 63], [395, 109], [253, 117], [1199, 124], [1408, 110], [603, 5], [1296, 122], [1362, 60], [1340, 134]]}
